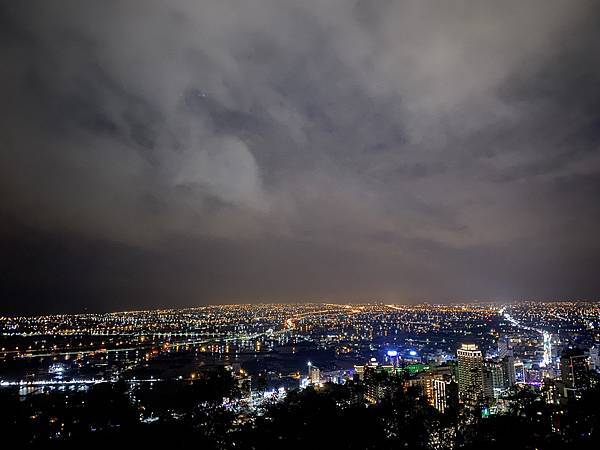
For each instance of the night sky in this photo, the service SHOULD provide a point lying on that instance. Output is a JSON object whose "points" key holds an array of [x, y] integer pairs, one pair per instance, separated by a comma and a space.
{"points": [[179, 153]]}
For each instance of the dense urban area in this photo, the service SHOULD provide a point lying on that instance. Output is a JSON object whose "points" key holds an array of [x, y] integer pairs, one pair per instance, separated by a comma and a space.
{"points": [[517, 375]]}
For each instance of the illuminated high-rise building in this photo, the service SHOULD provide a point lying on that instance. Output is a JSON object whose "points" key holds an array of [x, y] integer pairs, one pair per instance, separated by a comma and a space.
{"points": [[508, 371], [470, 368], [439, 395], [493, 379], [504, 347], [314, 374], [359, 372], [547, 359], [519, 371], [574, 371], [444, 394], [595, 358]]}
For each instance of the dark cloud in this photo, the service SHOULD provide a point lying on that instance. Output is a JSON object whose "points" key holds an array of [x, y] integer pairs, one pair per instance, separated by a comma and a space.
{"points": [[179, 153]]}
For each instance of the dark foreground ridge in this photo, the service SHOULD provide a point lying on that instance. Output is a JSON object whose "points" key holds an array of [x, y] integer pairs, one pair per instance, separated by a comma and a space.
{"points": [[192, 415]]}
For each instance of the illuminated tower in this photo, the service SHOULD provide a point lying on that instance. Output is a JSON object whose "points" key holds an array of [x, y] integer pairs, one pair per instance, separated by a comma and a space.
{"points": [[508, 370], [546, 362], [493, 379], [595, 358], [314, 374], [444, 393], [574, 371], [519, 371], [470, 368], [504, 347], [439, 395]]}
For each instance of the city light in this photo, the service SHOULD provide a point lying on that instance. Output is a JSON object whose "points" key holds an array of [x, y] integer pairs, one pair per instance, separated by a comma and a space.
{"points": [[474, 358]]}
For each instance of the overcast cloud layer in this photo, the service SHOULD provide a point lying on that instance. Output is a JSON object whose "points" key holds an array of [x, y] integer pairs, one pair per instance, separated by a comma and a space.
{"points": [[177, 153]]}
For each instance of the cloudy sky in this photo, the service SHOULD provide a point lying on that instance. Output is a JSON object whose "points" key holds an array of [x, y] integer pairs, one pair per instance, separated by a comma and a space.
{"points": [[180, 153]]}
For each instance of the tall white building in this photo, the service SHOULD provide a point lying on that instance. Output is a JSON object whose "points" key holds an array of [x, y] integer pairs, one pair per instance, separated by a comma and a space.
{"points": [[439, 394], [314, 374], [547, 359], [470, 373], [595, 358]]}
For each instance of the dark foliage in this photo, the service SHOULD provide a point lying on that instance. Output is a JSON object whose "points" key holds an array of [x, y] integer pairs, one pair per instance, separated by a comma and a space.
{"points": [[191, 415]]}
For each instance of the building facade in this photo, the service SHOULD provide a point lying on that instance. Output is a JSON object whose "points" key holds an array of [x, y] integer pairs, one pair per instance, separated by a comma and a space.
{"points": [[470, 373]]}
